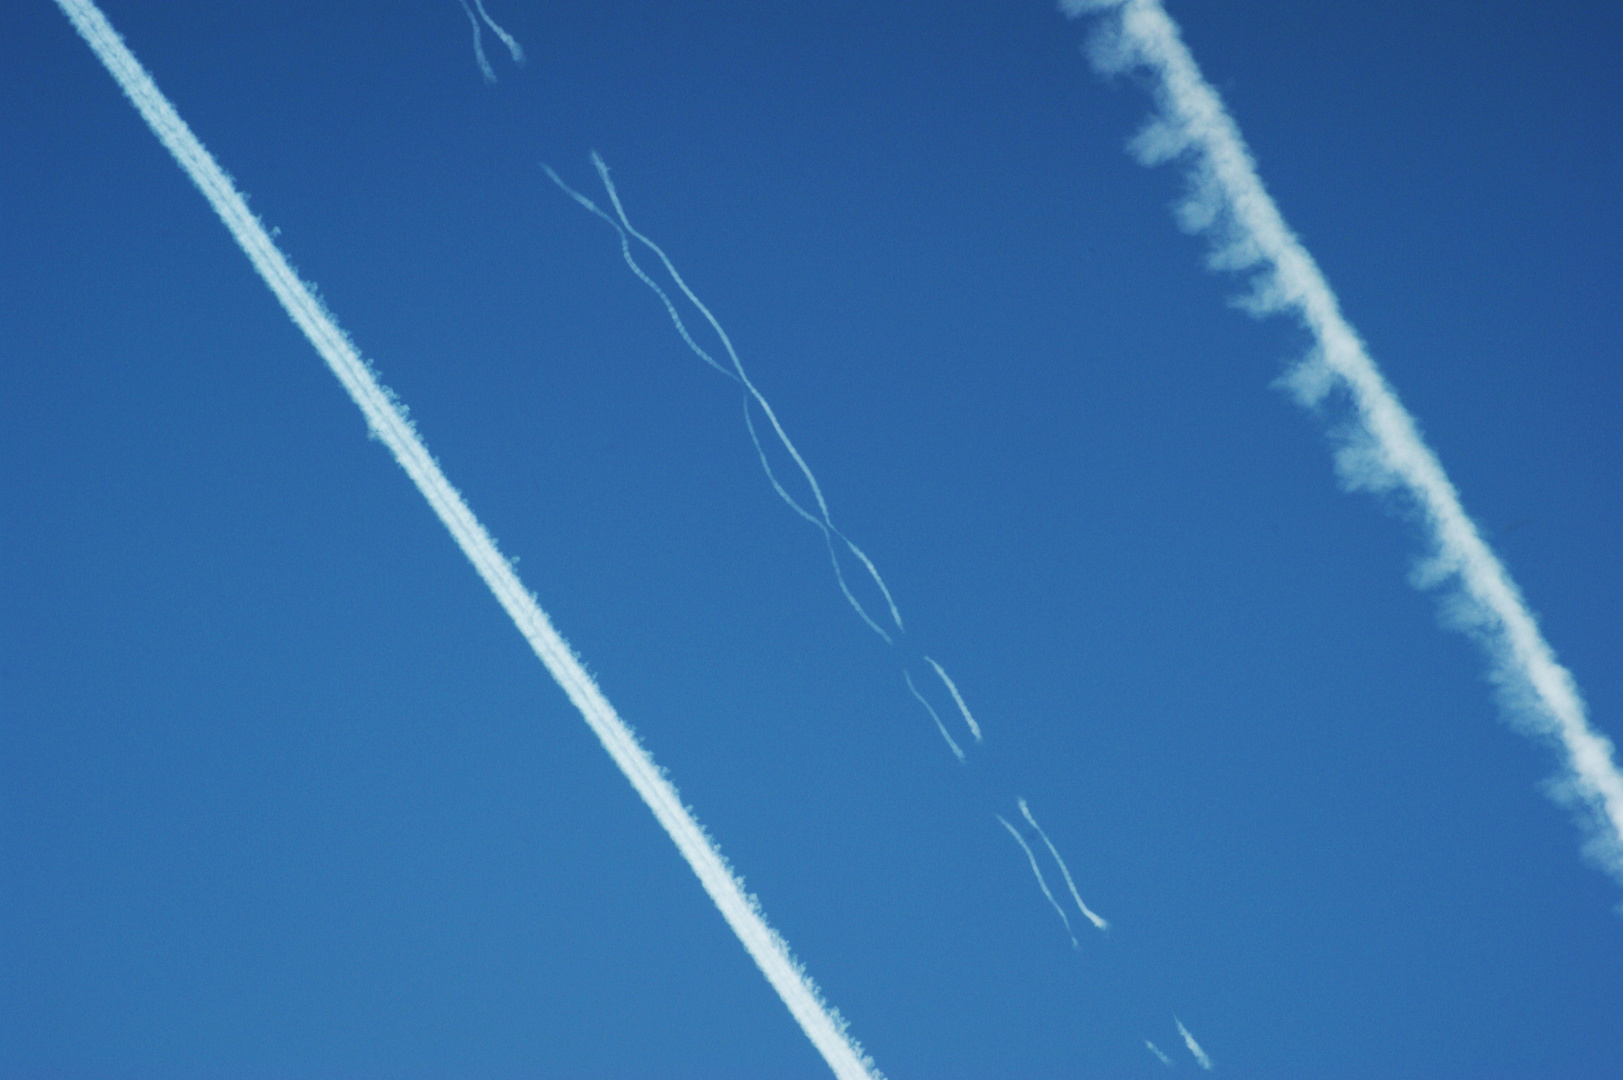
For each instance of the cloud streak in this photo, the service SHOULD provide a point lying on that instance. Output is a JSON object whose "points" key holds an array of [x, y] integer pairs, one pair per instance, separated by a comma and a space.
{"points": [[1054, 851], [821, 1023], [1042, 883], [1380, 448]]}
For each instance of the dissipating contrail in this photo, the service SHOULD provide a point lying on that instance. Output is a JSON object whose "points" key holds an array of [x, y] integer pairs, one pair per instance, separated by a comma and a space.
{"points": [[1158, 1052], [1381, 450], [1035, 869], [1201, 1057], [1098, 923], [753, 398], [513, 48], [821, 1023]]}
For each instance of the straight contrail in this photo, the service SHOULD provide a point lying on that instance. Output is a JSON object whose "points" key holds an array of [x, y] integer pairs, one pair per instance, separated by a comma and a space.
{"points": [[1157, 1051], [1035, 869], [1194, 1047], [952, 688], [1382, 451], [821, 1023], [956, 749], [1054, 851], [753, 397]]}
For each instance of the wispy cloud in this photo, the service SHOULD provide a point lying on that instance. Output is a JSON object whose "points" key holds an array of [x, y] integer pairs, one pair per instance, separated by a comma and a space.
{"points": [[1379, 448], [821, 1023]]}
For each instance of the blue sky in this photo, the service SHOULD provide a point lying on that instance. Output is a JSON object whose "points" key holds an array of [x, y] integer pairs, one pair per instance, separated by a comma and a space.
{"points": [[285, 794]]}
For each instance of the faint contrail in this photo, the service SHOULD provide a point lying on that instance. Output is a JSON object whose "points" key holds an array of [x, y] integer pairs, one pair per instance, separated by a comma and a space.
{"points": [[952, 687], [821, 1023], [1382, 451], [1054, 851], [1035, 869], [1194, 1047], [823, 520], [513, 48], [939, 726], [1156, 1050], [479, 44]]}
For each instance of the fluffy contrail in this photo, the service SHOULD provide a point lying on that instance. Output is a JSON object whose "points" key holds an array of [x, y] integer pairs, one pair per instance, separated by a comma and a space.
{"points": [[1194, 1047], [1054, 851], [952, 688], [1035, 869], [1157, 1051], [1382, 450], [939, 726], [753, 397], [513, 48], [821, 1023]]}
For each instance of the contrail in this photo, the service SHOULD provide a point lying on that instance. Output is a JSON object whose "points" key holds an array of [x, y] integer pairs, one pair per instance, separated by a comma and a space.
{"points": [[513, 48], [1383, 450], [1194, 1047], [939, 726], [821, 1023], [824, 520], [1052, 850], [1035, 869], [479, 44], [1156, 1050], [952, 687]]}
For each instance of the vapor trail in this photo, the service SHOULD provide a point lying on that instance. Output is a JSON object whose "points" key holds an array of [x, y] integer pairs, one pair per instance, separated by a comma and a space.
{"points": [[1382, 450], [479, 44], [939, 726], [952, 688], [1156, 1050], [821, 1023], [513, 48], [823, 520], [1035, 869], [1194, 1047], [1054, 851]]}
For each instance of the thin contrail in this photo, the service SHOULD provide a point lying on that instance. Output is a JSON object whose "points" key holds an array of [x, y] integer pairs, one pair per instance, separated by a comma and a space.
{"points": [[1035, 869], [1156, 1050], [821, 1023], [956, 749], [1194, 1047], [513, 48], [823, 520], [1383, 450], [1054, 851], [479, 44], [952, 688]]}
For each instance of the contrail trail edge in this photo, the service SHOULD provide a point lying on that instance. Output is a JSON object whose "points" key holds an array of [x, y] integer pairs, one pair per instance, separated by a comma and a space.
{"points": [[1384, 452], [821, 1023]]}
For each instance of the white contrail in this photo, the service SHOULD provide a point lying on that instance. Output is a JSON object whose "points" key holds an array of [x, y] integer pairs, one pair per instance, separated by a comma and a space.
{"points": [[823, 521], [1156, 1050], [939, 726], [479, 44], [1054, 851], [952, 688], [1035, 869], [513, 48], [1383, 450], [821, 1023], [1194, 1047]]}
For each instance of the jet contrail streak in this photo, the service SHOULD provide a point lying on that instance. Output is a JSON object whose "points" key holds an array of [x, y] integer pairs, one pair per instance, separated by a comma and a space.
{"points": [[479, 44], [513, 48], [1054, 851], [1156, 1050], [1194, 1047], [824, 522], [1384, 451], [939, 726], [1035, 869], [821, 1023], [952, 688]]}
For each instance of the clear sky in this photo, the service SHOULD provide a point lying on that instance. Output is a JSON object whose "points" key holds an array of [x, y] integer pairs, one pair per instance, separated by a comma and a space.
{"points": [[283, 793]]}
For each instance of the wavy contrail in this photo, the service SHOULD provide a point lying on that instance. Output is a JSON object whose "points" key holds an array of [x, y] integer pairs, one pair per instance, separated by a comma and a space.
{"points": [[1382, 451], [1035, 869], [479, 44], [821, 1023], [1054, 851], [513, 48], [956, 749]]}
